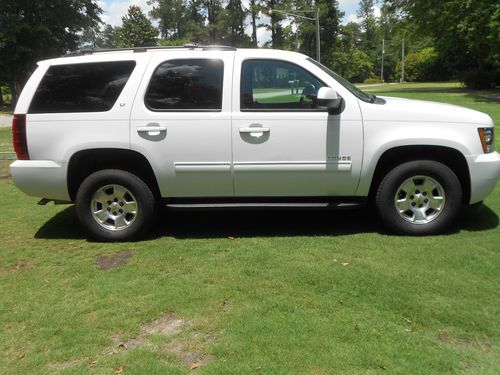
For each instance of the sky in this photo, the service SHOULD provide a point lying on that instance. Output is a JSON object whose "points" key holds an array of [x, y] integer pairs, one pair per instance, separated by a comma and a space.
{"points": [[114, 10]]}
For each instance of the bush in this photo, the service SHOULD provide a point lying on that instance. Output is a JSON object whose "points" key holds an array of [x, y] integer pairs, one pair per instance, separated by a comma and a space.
{"points": [[421, 66], [481, 79], [354, 66], [370, 81]]}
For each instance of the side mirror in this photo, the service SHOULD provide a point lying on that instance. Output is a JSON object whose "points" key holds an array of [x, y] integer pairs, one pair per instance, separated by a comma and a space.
{"points": [[327, 98]]}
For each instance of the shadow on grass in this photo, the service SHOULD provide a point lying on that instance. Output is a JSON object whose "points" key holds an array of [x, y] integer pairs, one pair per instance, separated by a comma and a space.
{"points": [[476, 220], [265, 223], [64, 224]]}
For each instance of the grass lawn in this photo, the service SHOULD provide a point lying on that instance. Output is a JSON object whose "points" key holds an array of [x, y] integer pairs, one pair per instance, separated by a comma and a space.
{"points": [[251, 292]]}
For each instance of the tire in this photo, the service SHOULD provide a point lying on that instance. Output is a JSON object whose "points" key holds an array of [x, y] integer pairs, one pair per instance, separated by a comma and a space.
{"points": [[115, 205], [419, 198]]}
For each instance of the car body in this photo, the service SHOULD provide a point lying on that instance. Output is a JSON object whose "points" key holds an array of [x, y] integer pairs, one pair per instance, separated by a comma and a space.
{"points": [[219, 125]]}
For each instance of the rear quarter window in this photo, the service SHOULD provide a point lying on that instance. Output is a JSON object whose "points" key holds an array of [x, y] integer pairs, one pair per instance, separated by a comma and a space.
{"points": [[88, 87]]}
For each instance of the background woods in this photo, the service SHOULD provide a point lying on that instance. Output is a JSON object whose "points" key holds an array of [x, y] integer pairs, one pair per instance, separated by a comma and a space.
{"points": [[451, 39]]}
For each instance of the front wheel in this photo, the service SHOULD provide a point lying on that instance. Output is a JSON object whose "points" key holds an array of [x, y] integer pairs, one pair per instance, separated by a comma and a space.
{"points": [[419, 198], [115, 205]]}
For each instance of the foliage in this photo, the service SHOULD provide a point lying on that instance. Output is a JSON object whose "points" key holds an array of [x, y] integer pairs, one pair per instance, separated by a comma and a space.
{"points": [[35, 30], [235, 24], [466, 34], [368, 26], [371, 81], [201, 21], [136, 29], [172, 16], [354, 65], [420, 66], [462, 35], [305, 35]]}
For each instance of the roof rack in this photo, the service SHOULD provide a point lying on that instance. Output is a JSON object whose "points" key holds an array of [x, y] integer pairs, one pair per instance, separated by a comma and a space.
{"points": [[90, 51]]}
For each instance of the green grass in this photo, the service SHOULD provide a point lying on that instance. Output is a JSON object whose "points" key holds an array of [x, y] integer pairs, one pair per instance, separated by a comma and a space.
{"points": [[411, 85], [258, 292], [5, 146]]}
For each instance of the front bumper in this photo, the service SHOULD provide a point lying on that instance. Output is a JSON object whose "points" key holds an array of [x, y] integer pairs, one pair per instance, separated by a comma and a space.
{"points": [[41, 178], [484, 174]]}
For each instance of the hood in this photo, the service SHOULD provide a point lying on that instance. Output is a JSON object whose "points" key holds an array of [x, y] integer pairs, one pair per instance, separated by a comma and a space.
{"points": [[400, 109]]}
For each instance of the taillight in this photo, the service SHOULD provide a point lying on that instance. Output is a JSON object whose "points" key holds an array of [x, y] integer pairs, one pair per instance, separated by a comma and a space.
{"points": [[19, 137]]}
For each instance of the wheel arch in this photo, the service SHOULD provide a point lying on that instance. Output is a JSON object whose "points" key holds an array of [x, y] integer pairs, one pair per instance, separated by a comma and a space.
{"points": [[450, 157], [85, 162]]}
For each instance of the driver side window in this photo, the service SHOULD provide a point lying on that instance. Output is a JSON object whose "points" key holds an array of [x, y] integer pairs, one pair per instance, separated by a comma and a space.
{"points": [[277, 85]]}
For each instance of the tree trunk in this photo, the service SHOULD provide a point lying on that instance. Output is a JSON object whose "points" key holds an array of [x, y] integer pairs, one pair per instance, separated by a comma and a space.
{"points": [[254, 23]]}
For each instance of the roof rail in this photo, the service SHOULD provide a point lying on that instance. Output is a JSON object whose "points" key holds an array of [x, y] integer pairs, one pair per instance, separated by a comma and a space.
{"points": [[90, 51]]}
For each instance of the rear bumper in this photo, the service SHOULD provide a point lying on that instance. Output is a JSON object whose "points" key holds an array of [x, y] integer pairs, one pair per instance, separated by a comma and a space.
{"points": [[484, 174], [41, 178]]}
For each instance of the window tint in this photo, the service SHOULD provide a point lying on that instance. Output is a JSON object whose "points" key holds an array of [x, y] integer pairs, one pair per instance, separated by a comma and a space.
{"points": [[89, 87], [277, 85], [194, 84]]}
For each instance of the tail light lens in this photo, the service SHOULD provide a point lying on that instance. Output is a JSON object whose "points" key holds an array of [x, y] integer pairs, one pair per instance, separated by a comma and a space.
{"points": [[19, 137]]}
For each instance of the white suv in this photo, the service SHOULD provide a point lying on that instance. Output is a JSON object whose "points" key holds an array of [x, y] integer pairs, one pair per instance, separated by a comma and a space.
{"points": [[119, 131]]}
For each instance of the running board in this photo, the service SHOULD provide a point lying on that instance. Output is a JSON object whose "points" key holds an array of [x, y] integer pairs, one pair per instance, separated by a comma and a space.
{"points": [[263, 206]]}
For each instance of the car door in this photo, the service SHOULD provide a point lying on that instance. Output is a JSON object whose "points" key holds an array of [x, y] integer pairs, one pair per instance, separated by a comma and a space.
{"points": [[283, 144], [181, 121]]}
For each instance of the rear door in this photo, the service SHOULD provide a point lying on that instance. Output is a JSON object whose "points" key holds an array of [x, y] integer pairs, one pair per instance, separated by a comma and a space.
{"points": [[181, 121]]}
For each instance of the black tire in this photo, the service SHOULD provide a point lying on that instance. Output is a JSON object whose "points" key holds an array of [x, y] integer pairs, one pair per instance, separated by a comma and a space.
{"points": [[430, 211], [128, 207]]}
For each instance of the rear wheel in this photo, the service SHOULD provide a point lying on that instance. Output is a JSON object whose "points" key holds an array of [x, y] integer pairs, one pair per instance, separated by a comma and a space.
{"points": [[115, 205], [419, 198]]}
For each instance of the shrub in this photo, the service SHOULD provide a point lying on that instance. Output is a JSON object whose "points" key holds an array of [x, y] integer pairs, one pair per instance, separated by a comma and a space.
{"points": [[354, 66], [481, 79], [421, 66], [372, 81]]}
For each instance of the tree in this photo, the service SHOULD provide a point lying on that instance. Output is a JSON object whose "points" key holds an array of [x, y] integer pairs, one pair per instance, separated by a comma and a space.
{"points": [[369, 42], [201, 21], [172, 15], [236, 23], [35, 30], [277, 37], [330, 17], [136, 30], [466, 35], [421, 66], [109, 37], [254, 9]]}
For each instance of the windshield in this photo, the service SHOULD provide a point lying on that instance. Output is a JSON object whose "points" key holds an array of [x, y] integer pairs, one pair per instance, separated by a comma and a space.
{"points": [[344, 82]]}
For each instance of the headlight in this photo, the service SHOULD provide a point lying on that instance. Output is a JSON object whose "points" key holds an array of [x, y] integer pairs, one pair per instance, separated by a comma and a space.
{"points": [[487, 137]]}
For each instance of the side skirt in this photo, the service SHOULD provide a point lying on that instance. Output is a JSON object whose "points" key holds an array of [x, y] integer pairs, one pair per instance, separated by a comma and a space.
{"points": [[266, 203]]}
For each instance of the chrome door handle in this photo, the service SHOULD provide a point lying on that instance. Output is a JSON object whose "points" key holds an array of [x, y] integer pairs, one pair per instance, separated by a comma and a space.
{"points": [[158, 128], [255, 130]]}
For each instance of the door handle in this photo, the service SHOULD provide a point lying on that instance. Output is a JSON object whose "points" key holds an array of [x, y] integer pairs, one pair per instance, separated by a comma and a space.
{"points": [[153, 128], [255, 130]]}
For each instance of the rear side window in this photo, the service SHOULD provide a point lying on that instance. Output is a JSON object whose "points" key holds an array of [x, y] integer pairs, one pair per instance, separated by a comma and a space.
{"points": [[89, 87], [186, 85]]}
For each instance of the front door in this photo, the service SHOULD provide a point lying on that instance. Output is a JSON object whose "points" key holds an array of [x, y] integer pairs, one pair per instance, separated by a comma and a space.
{"points": [[283, 145], [181, 121]]}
